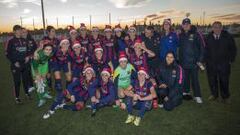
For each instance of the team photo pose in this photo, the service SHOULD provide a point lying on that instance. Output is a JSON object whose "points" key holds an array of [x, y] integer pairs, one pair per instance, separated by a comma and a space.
{"points": [[102, 91], [140, 55], [75, 96], [140, 97], [99, 60], [122, 77], [130, 40], [169, 40], [51, 36], [17, 54], [108, 46], [170, 82], [40, 70], [191, 52], [61, 64], [78, 59]]}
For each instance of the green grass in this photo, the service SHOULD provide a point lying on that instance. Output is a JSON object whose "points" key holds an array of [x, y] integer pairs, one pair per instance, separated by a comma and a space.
{"points": [[210, 118]]}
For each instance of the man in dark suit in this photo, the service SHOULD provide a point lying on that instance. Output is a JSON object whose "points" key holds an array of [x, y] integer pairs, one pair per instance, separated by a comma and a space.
{"points": [[220, 53]]}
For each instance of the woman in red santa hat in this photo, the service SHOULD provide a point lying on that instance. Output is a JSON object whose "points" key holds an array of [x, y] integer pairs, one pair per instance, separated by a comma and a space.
{"points": [[95, 39], [61, 63], [99, 60], [83, 37], [139, 97], [108, 45], [73, 34], [130, 40], [119, 39], [78, 59]]}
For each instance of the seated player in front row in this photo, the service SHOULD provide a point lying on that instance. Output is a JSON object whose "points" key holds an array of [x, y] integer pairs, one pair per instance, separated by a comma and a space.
{"points": [[122, 77], [170, 80], [77, 92], [102, 91], [140, 97], [39, 68]]}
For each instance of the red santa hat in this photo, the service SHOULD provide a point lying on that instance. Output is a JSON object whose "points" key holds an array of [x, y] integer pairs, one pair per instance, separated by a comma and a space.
{"points": [[107, 28], [98, 48], [76, 44], [82, 26], [168, 21], [137, 42], [122, 56], [118, 28], [95, 28], [144, 71], [88, 68], [107, 71], [132, 28], [71, 29], [63, 40]]}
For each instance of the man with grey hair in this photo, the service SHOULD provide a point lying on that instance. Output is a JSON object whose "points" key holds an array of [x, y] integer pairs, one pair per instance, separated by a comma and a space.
{"points": [[220, 53]]}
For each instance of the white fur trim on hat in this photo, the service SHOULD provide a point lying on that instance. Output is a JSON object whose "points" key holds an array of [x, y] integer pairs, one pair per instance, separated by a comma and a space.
{"points": [[98, 49], [123, 59], [105, 72], [132, 28], [76, 44], [64, 40], [88, 68], [73, 30], [117, 29], [144, 72], [108, 29]]}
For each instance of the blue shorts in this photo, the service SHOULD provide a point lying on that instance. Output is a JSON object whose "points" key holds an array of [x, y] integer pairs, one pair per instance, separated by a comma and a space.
{"points": [[81, 98], [50, 66], [60, 67]]}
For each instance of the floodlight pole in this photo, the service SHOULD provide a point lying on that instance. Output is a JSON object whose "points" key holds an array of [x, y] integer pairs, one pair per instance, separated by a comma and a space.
{"points": [[43, 18]]}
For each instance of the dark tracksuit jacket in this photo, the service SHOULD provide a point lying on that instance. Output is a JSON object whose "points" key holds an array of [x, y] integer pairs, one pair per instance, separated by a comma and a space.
{"points": [[219, 54], [191, 51], [17, 51], [32, 46], [172, 76], [153, 45]]}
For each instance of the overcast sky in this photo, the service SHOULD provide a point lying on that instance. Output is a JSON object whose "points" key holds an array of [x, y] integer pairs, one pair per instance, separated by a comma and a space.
{"points": [[121, 11]]}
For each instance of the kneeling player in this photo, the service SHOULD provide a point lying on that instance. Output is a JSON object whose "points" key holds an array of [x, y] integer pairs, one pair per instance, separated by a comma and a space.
{"points": [[77, 93], [140, 98], [102, 91]]}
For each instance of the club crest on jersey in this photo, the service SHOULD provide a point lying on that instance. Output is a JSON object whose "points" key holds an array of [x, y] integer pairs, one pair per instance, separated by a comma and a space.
{"points": [[174, 73], [191, 36], [109, 44], [104, 91], [84, 42]]}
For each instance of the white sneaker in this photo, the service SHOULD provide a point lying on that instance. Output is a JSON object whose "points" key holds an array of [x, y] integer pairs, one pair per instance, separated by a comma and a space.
{"points": [[31, 89], [48, 114], [89, 106], [41, 102], [160, 105], [60, 106], [198, 100]]}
